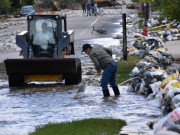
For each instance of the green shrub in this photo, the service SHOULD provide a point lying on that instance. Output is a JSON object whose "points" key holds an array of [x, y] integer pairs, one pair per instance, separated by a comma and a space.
{"points": [[125, 68], [84, 127]]}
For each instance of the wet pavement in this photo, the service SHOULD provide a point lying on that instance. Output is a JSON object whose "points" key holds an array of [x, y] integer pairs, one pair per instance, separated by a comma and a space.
{"points": [[22, 109]]}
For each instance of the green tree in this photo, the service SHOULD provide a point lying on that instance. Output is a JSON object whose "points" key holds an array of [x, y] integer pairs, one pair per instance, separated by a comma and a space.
{"points": [[28, 2], [143, 1], [5, 4], [68, 3], [15, 4], [170, 8]]}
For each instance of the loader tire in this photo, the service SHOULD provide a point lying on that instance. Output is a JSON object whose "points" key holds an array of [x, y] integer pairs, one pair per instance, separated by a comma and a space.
{"points": [[16, 81], [72, 48], [79, 71], [74, 79]]}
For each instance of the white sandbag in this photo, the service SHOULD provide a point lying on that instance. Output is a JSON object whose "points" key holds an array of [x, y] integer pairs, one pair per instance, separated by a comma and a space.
{"points": [[169, 38], [155, 86], [142, 86], [168, 120], [170, 89], [159, 72], [135, 70], [178, 26], [166, 132], [176, 101]]}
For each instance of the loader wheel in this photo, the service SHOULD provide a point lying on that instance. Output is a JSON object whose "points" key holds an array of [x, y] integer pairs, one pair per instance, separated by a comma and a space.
{"points": [[74, 79], [16, 81], [72, 48], [79, 71]]}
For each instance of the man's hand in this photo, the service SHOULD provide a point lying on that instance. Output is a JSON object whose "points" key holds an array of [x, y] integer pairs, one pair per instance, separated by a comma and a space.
{"points": [[98, 72]]}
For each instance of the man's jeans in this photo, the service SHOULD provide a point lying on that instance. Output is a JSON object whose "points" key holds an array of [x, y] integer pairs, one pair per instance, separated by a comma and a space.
{"points": [[109, 76], [89, 12]]}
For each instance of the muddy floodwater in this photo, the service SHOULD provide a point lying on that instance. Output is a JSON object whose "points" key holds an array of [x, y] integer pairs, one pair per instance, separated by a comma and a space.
{"points": [[22, 109]]}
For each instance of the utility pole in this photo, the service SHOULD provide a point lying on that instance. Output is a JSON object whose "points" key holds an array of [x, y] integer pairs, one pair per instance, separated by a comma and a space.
{"points": [[145, 14], [124, 31]]}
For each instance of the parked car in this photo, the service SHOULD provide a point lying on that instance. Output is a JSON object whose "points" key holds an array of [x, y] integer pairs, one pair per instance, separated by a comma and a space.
{"points": [[27, 10]]}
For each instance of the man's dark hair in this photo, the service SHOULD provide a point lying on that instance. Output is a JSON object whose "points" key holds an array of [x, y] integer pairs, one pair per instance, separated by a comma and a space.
{"points": [[86, 46]]}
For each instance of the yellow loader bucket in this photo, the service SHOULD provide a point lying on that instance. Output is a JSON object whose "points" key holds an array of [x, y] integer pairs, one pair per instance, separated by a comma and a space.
{"points": [[18, 69]]}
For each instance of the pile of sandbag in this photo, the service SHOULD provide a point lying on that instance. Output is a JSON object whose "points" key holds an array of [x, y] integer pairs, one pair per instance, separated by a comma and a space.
{"points": [[152, 50], [171, 30], [168, 125], [153, 22], [152, 78], [168, 92], [150, 73], [142, 43]]}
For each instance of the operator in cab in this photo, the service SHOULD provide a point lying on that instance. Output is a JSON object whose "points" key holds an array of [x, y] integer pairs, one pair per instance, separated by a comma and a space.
{"points": [[44, 37]]}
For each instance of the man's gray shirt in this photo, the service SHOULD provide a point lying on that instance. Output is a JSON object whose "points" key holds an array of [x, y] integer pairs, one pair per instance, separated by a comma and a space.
{"points": [[100, 57]]}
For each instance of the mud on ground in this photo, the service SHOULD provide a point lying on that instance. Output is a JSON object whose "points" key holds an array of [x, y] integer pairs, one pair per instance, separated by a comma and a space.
{"points": [[3, 75]]}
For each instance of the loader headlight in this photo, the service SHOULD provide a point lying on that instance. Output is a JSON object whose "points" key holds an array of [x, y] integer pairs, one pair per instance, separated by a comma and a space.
{"points": [[57, 17], [30, 17]]}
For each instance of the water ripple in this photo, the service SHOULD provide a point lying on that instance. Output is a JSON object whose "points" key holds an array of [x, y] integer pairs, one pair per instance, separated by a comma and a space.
{"points": [[24, 109]]}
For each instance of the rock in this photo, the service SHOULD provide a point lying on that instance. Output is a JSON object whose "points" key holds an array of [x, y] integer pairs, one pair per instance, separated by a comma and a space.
{"points": [[151, 123]]}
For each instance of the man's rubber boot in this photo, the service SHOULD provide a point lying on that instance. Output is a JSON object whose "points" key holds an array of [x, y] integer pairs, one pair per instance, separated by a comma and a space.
{"points": [[116, 90], [106, 93]]}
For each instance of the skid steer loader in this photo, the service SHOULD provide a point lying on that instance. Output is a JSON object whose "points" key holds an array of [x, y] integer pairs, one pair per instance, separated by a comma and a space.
{"points": [[44, 47]]}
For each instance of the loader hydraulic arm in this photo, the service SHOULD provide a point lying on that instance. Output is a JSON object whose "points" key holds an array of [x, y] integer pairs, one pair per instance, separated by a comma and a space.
{"points": [[65, 23], [21, 41]]}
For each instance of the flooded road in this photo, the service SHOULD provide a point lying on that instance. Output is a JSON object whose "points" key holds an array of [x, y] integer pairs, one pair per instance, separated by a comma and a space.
{"points": [[24, 109]]}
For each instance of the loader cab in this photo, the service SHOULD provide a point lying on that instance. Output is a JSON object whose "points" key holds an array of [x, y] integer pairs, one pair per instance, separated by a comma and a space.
{"points": [[44, 47], [43, 34]]}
